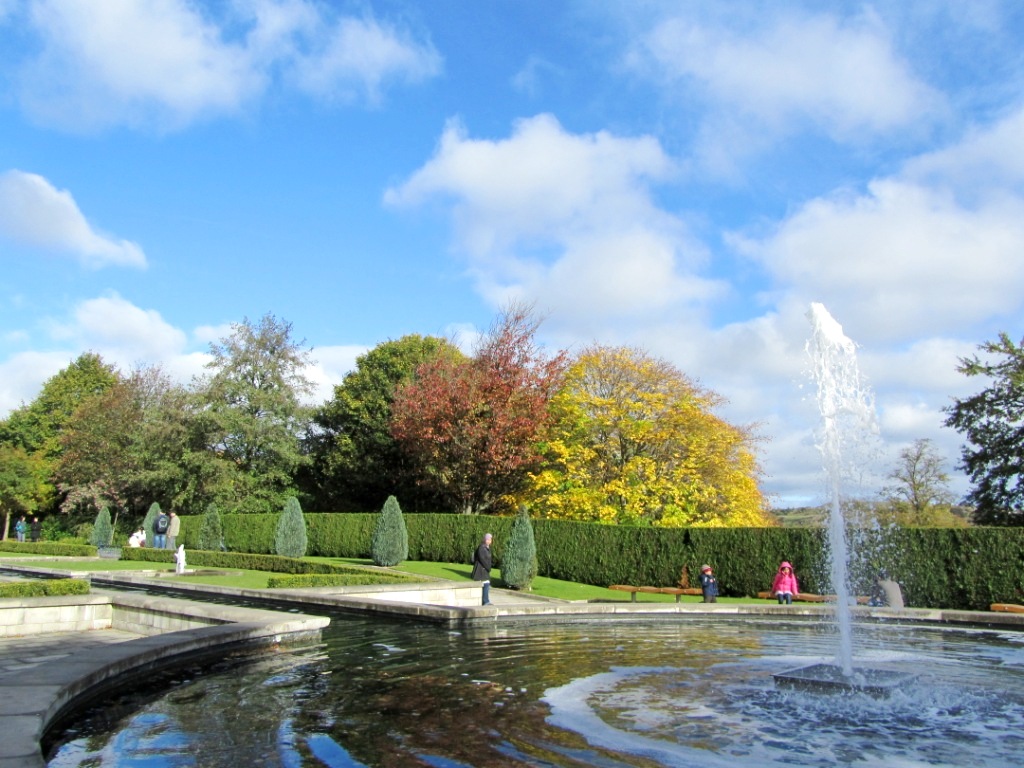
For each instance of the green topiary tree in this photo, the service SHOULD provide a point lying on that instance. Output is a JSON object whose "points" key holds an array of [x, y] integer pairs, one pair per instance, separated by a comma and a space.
{"points": [[290, 539], [102, 530], [211, 531], [147, 523], [390, 543], [519, 560]]}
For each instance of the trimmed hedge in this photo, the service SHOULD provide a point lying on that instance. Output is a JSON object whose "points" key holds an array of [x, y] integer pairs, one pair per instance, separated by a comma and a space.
{"points": [[49, 548], [303, 581], [958, 568], [244, 561], [44, 588]]}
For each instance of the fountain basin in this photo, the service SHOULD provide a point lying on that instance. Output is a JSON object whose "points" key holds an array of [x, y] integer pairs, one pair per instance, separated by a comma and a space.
{"points": [[830, 679]]}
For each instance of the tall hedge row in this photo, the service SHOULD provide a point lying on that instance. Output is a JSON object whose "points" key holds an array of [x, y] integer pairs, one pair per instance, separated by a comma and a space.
{"points": [[967, 568]]}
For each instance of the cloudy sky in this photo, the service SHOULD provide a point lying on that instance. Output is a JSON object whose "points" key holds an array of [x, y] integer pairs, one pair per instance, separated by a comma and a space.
{"points": [[686, 177]]}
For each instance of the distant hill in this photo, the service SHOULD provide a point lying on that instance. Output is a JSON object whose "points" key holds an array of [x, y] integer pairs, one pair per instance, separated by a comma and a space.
{"points": [[795, 517]]}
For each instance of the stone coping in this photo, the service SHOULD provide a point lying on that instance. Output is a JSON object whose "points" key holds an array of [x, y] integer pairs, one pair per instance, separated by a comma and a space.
{"points": [[36, 699]]}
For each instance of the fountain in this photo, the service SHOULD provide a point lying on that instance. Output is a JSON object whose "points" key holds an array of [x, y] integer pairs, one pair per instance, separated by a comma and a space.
{"points": [[696, 690], [692, 692], [847, 412]]}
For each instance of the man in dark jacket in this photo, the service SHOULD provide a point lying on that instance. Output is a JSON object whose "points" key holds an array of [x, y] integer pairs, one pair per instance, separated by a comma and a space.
{"points": [[482, 567]]}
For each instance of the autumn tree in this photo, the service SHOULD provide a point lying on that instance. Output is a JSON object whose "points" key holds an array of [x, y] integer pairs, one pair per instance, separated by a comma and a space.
{"points": [[992, 421], [252, 413], [634, 440], [355, 460], [473, 427]]}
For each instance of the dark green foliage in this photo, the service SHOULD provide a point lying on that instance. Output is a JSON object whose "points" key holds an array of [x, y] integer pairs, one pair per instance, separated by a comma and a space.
{"points": [[952, 568], [102, 530], [49, 548], [290, 538], [304, 581], [147, 524], [519, 561], [44, 588], [211, 532], [992, 422], [271, 563], [390, 543]]}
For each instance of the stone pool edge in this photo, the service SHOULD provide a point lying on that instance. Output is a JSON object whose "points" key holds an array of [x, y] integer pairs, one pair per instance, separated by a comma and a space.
{"points": [[31, 706]]}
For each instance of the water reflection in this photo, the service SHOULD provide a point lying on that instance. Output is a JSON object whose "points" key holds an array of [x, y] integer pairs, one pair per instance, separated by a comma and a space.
{"points": [[692, 692]]}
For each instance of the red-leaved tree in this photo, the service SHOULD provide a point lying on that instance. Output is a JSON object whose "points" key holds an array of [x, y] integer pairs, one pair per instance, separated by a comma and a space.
{"points": [[473, 426]]}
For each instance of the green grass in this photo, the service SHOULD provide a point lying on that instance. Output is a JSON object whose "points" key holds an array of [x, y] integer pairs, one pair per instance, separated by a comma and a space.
{"points": [[240, 579], [542, 586]]}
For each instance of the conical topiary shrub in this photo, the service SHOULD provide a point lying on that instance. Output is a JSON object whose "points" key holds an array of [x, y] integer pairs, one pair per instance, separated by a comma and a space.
{"points": [[390, 543], [519, 559], [290, 539], [211, 530], [102, 530], [147, 524]]}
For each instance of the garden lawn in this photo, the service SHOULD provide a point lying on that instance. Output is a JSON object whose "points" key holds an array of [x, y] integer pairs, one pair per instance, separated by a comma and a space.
{"points": [[542, 586]]}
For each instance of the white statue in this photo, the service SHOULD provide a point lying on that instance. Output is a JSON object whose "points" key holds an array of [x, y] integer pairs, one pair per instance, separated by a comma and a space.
{"points": [[179, 559]]}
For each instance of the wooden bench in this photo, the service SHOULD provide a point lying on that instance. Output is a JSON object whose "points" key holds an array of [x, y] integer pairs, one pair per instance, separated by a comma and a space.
{"points": [[677, 591], [806, 597], [1007, 608]]}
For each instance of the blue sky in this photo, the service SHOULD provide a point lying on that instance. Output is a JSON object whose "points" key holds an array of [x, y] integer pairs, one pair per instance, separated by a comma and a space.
{"points": [[685, 177]]}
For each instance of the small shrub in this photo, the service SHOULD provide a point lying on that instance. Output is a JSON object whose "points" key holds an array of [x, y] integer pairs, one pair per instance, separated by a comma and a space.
{"points": [[390, 543], [308, 580], [519, 561], [211, 531], [290, 539], [102, 531]]}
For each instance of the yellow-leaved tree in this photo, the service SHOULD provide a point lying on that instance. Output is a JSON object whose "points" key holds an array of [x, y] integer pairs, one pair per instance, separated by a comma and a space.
{"points": [[633, 440]]}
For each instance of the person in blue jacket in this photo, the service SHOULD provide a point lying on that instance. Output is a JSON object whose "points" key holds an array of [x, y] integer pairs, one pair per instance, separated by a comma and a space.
{"points": [[708, 584]]}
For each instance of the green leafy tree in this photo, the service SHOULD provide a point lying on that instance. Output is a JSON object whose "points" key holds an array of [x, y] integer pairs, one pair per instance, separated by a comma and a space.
{"points": [[473, 428], [24, 483], [992, 421], [252, 411], [519, 559], [390, 543], [355, 461], [290, 539], [211, 530], [102, 529], [37, 427]]}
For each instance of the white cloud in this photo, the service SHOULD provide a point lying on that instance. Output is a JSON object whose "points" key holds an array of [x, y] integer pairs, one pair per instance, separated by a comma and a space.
{"points": [[328, 369], [34, 212], [122, 332], [768, 79], [901, 259], [565, 219], [360, 56], [167, 63]]}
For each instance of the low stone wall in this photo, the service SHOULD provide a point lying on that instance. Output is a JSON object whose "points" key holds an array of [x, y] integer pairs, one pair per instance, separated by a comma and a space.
{"points": [[78, 613]]}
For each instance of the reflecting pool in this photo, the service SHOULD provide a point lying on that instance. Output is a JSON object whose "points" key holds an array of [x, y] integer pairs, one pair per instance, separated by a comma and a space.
{"points": [[693, 691]]}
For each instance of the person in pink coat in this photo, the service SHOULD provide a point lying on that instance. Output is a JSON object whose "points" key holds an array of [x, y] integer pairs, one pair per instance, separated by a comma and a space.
{"points": [[785, 587]]}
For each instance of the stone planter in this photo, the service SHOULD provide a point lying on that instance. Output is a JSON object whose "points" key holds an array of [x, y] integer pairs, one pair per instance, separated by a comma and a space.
{"points": [[109, 553]]}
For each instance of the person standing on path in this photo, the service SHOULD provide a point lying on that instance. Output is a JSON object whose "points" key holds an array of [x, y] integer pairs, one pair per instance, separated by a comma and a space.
{"points": [[36, 529], [20, 528], [482, 567], [160, 526], [173, 529], [708, 584]]}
